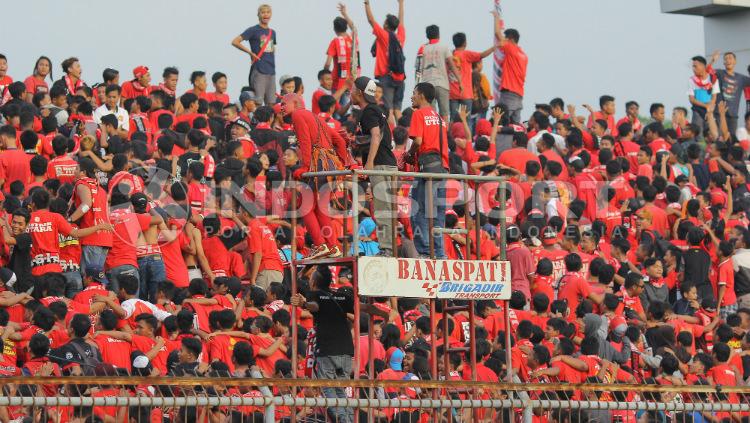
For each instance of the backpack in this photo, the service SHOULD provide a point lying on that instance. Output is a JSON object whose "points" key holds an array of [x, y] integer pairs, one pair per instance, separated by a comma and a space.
{"points": [[396, 58], [88, 365], [661, 245]]}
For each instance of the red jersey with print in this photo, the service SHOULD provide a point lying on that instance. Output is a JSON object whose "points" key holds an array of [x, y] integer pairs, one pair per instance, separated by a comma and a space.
{"points": [[115, 351], [62, 168], [340, 49], [44, 227], [35, 85], [463, 59], [425, 124], [98, 213], [220, 347], [124, 177]]}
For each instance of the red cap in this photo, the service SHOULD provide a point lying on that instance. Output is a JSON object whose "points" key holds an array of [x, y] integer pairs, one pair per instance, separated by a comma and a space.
{"points": [[484, 127], [140, 71]]}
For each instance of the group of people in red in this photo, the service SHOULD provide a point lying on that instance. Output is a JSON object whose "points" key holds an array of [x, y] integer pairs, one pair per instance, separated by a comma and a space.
{"points": [[148, 232]]}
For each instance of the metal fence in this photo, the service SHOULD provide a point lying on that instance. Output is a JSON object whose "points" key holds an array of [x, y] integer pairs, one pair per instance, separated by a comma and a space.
{"points": [[187, 400]]}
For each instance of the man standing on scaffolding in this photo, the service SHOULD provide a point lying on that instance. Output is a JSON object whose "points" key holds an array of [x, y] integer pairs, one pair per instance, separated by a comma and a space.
{"points": [[430, 149], [316, 143], [377, 155]]}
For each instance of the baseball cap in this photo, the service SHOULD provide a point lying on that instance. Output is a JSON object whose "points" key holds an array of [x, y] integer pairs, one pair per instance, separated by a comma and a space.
{"points": [[8, 277], [395, 358], [248, 95], [139, 71], [284, 77], [96, 272], [367, 86], [549, 236], [618, 325], [139, 200], [243, 123]]}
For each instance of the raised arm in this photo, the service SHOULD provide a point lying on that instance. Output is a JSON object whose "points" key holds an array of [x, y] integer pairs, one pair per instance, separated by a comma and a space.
{"points": [[368, 12], [400, 12]]}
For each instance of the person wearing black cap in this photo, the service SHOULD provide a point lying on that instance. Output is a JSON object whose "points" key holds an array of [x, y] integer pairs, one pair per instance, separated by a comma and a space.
{"points": [[240, 130], [378, 155]]}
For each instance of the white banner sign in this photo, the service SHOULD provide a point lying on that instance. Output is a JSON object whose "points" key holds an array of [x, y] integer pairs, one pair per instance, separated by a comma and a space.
{"points": [[426, 278]]}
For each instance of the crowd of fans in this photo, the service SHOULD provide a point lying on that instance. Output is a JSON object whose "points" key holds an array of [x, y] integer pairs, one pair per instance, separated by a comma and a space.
{"points": [[148, 232]]}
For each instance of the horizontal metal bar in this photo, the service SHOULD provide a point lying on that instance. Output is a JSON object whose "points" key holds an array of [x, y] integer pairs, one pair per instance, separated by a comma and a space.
{"points": [[419, 175], [367, 383], [449, 231], [224, 401]]}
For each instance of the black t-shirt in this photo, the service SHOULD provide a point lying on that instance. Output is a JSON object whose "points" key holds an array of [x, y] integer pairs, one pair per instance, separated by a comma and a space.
{"points": [[20, 258], [374, 117], [67, 355], [697, 266], [183, 163], [262, 136], [332, 330]]}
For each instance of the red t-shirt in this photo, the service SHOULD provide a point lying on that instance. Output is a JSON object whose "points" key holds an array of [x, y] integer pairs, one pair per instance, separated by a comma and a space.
{"points": [[132, 89], [62, 168], [214, 96], [144, 345], [425, 124], [44, 229], [14, 166], [573, 288], [463, 59], [517, 158], [217, 255], [34, 85], [123, 177], [98, 213], [266, 364], [220, 347], [127, 227], [726, 277], [115, 351], [174, 263], [261, 239], [382, 40], [340, 49], [514, 68]]}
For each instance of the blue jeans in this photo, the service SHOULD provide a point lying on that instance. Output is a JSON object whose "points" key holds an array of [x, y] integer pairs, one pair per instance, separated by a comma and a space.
{"points": [[152, 272], [93, 254], [73, 283], [336, 367], [419, 217], [114, 274]]}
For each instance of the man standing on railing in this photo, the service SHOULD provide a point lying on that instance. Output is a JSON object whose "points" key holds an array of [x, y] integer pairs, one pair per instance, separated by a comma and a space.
{"points": [[373, 122], [321, 148], [430, 146]]}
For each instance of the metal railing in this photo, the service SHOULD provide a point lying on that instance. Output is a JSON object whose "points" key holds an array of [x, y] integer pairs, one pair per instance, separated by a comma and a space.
{"points": [[184, 400]]}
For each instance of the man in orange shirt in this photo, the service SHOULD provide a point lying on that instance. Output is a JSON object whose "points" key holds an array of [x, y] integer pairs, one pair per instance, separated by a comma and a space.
{"points": [[429, 132], [517, 157], [140, 85], [462, 91], [514, 69], [390, 76]]}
